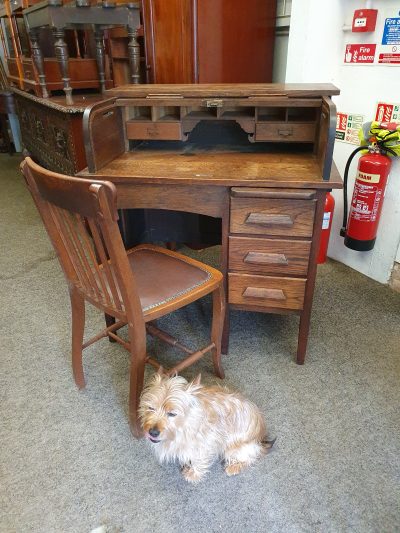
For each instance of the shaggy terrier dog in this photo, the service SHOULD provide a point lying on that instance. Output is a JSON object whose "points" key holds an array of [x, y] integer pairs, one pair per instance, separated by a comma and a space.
{"points": [[195, 425]]}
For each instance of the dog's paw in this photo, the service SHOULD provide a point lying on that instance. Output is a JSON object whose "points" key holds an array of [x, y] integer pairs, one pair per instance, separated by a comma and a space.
{"points": [[232, 469], [191, 474]]}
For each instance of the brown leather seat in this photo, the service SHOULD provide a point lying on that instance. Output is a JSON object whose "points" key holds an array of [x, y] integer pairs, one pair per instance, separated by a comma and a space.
{"points": [[134, 287], [162, 276]]}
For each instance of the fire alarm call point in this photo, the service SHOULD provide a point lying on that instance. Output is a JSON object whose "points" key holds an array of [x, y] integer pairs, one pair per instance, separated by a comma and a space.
{"points": [[364, 20]]}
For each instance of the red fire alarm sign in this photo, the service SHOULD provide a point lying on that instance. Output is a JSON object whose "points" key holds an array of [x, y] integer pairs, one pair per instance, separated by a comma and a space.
{"points": [[364, 20]]}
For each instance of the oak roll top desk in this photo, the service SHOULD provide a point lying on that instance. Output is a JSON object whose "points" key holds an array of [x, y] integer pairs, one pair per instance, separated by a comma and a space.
{"points": [[258, 156]]}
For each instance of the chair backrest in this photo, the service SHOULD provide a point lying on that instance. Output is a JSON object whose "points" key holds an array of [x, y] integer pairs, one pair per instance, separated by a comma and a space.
{"points": [[80, 217]]}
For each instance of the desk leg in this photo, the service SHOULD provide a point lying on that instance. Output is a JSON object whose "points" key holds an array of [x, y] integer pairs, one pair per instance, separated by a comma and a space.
{"points": [[225, 332], [305, 316], [224, 268]]}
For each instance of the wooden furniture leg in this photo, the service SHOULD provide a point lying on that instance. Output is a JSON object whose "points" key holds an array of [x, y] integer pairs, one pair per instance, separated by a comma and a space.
{"points": [[224, 268], [78, 326], [137, 336], [134, 55], [305, 315], [62, 58], [218, 297], [38, 60], [100, 57], [225, 332]]}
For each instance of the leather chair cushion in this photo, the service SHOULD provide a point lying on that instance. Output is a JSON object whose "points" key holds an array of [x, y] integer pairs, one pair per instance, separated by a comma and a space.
{"points": [[161, 277]]}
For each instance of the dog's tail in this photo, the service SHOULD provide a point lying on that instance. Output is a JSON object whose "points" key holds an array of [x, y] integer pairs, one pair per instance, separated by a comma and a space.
{"points": [[267, 444]]}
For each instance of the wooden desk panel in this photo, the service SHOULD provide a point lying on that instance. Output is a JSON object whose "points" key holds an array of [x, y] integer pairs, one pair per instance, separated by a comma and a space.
{"points": [[230, 169]]}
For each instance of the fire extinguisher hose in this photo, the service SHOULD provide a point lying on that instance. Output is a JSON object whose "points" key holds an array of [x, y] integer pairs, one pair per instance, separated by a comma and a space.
{"points": [[345, 180], [384, 149]]}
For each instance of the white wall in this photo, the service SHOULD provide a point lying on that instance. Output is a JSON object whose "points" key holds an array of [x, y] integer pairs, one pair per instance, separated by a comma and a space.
{"points": [[283, 10], [316, 54]]}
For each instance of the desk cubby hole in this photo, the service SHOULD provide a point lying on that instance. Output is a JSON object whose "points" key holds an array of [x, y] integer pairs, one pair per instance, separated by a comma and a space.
{"points": [[142, 113], [271, 114], [231, 112], [165, 113], [201, 112], [301, 114]]}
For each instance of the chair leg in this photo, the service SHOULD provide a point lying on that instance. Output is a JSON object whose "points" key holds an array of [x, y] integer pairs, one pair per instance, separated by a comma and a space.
{"points": [[78, 326], [110, 320], [216, 329], [138, 361]]}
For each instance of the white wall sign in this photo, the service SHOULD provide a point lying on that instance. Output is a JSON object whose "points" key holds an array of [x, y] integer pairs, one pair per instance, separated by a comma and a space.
{"points": [[347, 127], [387, 112]]}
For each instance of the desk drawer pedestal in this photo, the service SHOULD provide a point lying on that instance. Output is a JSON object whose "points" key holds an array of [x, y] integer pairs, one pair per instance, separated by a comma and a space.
{"points": [[273, 237]]}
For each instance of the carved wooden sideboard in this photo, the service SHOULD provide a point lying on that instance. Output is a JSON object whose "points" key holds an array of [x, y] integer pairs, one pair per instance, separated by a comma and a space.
{"points": [[257, 156], [51, 131]]}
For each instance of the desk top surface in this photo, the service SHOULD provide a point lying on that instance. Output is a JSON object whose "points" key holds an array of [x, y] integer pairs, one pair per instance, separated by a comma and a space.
{"points": [[225, 89], [223, 168]]}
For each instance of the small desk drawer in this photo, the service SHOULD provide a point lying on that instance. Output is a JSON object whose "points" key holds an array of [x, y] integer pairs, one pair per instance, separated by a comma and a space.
{"points": [[266, 291], [163, 131], [262, 216], [285, 132], [269, 256]]}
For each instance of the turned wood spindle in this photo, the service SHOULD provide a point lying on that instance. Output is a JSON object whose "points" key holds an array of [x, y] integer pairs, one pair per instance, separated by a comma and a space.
{"points": [[100, 57], [134, 55], [38, 60], [62, 58]]}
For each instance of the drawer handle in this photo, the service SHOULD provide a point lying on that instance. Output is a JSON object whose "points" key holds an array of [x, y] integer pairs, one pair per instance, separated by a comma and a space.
{"points": [[285, 132], [262, 258], [266, 220], [259, 292], [260, 192]]}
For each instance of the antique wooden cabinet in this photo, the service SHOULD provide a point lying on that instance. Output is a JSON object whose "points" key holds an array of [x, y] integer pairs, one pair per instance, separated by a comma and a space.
{"points": [[209, 41], [256, 156], [51, 131]]}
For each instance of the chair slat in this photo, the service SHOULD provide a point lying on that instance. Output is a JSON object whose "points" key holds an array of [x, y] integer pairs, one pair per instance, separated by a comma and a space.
{"points": [[89, 257], [59, 222], [105, 264], [76, 247]]}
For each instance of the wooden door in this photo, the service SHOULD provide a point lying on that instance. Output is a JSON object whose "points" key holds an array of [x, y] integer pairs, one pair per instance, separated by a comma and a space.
{"points": [[235, 40], [169, 29]]}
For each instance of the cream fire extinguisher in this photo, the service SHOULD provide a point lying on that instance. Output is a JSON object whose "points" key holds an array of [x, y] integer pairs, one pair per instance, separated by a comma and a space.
{"points": [[360, 229]]}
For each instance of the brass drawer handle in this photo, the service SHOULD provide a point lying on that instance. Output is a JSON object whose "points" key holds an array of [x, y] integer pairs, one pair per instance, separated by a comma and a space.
{"points": [[262, 258], [266, 220], [215, 103], [259, 292]]}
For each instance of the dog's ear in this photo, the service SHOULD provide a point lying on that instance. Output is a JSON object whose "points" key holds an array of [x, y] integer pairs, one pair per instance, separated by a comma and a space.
{"points": [[197, 380], [195, 384]]}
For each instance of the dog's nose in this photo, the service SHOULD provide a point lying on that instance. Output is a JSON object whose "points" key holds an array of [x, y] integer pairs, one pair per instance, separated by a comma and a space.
{"points": [[154, 432]]}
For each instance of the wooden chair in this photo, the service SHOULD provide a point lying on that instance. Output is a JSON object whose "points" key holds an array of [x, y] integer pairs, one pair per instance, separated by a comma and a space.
{"points": [[135, 286]]}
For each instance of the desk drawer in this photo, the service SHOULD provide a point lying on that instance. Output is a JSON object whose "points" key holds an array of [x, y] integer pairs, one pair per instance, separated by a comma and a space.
{"points": [[163, 131], [270, 216], [269, 256], [266, 291], [285, 132]]}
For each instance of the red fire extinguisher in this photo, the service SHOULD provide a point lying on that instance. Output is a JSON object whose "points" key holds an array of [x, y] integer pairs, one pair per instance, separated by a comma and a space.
{"points": [[326, 227], [359, 231]]}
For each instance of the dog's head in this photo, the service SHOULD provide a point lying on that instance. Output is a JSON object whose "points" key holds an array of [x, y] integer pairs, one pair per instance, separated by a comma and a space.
{"points": [[165, 405]]}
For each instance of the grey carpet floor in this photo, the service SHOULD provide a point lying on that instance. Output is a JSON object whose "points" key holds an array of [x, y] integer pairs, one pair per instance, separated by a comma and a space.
{"points": [[69, 462]]}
